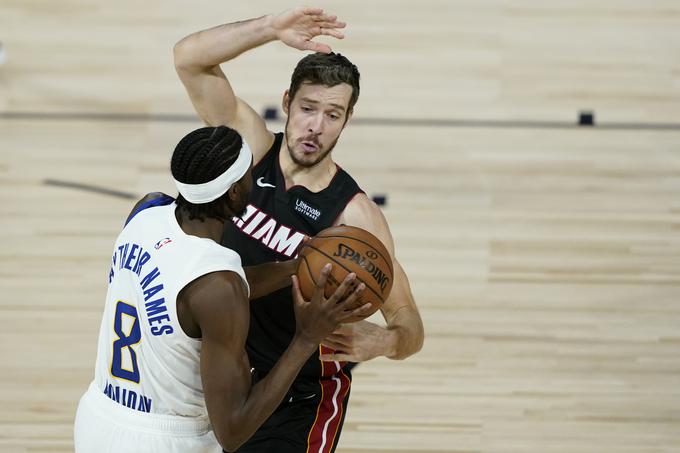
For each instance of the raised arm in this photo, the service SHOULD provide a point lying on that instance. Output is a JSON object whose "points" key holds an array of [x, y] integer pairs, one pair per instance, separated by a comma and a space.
{"points": [[403, 335], [218, 314], [199, 55]]}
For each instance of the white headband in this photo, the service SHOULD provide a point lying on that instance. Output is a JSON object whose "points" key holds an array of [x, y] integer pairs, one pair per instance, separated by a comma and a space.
{"points": [[212, 190]]}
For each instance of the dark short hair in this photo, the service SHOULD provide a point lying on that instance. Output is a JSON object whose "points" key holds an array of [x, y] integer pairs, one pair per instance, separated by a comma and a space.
{"points": [[326, 69], [201, 156]]}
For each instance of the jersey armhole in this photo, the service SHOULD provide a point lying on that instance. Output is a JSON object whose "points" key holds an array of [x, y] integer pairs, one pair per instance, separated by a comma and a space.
{"points": [[162, 200], [349, 200], [278, 137]]}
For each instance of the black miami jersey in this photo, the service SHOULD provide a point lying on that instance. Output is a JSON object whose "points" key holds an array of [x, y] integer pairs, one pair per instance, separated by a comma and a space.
{"points": [[272, 229]]}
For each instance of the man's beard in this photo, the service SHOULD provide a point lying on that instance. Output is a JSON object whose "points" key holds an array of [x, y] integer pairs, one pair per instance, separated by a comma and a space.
{"points": [[303, 163]]}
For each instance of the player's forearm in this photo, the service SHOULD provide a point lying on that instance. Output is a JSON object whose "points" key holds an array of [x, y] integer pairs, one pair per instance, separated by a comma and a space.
{"points": [[267, 394], [211, 47], [404, 334], [403, 320], [269, 277]]}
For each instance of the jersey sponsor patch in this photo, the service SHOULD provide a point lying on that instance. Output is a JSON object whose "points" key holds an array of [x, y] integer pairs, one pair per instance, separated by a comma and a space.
{"points": [[306, 209]]}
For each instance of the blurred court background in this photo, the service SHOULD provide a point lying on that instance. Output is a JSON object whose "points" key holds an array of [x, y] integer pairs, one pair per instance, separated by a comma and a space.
{"points": [[544, 256]]}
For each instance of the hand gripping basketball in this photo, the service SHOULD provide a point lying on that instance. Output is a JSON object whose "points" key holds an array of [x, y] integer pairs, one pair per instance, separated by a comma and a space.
{"points": [[350, 250], [317, 318]]}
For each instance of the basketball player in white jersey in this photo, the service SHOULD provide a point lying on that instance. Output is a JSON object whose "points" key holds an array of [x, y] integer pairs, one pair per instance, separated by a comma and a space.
{"points": [[172, 374]]}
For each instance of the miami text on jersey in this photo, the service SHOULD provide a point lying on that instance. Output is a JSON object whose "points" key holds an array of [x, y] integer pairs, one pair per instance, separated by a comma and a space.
{"points": [[267, 230]]}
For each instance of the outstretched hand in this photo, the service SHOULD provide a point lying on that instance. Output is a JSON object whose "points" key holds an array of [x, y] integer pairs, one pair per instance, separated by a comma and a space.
{"points": [[299, 26]]}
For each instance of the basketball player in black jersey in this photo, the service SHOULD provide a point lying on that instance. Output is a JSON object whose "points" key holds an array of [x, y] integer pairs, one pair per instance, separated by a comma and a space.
{"points": [[299, 191]]}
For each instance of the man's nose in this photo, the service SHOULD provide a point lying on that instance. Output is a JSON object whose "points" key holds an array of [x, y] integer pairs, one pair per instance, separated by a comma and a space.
{"points": [[315, 125]]}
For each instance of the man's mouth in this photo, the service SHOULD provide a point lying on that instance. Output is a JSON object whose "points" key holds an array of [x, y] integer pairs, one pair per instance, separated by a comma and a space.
{"points": [[309, 147]]}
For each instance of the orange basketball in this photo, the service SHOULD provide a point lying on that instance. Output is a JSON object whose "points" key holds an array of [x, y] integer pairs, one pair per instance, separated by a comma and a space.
{"points": [[348, 249]]}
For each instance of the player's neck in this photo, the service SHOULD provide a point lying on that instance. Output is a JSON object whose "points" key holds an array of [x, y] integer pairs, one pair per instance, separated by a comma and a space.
{"points": [[207, 228], [315, 178]]}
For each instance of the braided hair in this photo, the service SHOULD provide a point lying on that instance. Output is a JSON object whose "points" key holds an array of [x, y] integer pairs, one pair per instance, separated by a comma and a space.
{"points": [[201, 156]]}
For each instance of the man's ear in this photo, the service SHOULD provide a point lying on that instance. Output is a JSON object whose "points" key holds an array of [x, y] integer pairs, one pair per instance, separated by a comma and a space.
{"points": [[234, 191], [285, 102]]}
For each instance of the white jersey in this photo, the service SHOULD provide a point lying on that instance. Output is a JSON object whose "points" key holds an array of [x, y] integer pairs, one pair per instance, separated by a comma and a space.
{"points": [[145, 361]]}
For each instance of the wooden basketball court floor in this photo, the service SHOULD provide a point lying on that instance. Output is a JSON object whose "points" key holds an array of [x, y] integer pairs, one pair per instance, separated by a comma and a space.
{"points": [[545, 257]]}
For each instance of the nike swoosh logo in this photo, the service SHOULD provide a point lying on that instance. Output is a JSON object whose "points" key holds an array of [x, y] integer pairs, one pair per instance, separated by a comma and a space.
{"points": [[261, 183], [302, 398]]}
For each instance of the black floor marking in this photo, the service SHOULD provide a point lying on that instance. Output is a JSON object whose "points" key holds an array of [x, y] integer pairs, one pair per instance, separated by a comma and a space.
{"points": [[403, 122], [91, 188]]}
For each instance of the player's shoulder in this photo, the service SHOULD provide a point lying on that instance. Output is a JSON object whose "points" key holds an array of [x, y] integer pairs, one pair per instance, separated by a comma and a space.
{"points": [[221, 283], [150, 199], [361, 207], [267, 150], [215, 301], [345, 182], [216, 292], [362, 212]]}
